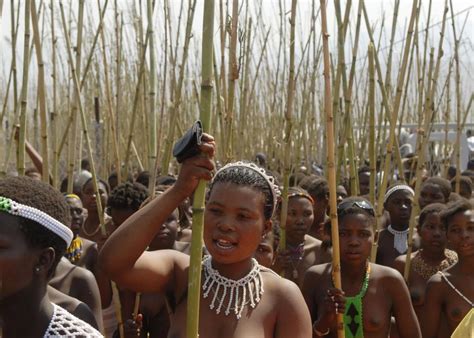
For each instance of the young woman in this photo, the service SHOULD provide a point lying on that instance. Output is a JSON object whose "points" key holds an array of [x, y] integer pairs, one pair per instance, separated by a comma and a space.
{"points": [[450, 292], [370, 294], [238, 214], [91, 228], [434, 190], [430, 258], [82, 252], [302, 251], [393, 240], [33, 238]]}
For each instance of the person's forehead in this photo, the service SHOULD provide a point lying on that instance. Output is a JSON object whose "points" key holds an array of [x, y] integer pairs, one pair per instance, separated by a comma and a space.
{"points": [[74, 202], [400, 194]]}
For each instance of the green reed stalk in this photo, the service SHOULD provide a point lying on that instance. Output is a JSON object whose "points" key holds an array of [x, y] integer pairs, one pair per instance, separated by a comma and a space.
{"points": [[194, 284]]}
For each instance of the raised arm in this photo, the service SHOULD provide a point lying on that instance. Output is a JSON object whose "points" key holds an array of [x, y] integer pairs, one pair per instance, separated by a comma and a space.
{"points": [[123, 257]]}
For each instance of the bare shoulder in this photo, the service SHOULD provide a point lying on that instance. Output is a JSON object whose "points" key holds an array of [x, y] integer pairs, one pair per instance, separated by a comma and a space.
{"points": [[279, 286], [316, 271], [89, 245], [386, 275], [311, 242]]}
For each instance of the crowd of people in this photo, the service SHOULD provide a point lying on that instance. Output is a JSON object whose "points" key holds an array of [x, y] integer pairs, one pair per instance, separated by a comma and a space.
{"points": [[77, 272]]}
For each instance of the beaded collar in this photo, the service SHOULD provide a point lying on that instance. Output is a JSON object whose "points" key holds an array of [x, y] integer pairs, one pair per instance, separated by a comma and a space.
{"points": [[17, 209], [426, 270], [400, 239], [229, 293], [353, 320]]}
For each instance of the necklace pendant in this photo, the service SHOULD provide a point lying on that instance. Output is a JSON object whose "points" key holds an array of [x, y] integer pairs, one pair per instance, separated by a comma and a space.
{"points": [[295, 274]]}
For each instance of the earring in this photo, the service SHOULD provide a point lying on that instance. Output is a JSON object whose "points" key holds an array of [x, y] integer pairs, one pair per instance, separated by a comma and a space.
{"points": [[37, 269]]}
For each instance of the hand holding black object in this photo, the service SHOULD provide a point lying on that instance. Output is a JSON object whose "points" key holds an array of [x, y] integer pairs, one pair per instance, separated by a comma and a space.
{"points": [[188, 145]]}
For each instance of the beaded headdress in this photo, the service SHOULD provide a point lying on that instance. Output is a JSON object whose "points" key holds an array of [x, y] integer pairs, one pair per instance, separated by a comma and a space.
{"points": [[396, 188], [25, 211], [261, 171]]}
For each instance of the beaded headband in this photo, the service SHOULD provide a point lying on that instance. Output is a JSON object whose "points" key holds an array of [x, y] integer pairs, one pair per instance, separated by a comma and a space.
{"points": [[301, 194], [396, 188], [72, 196], [25, 211], [268, 178]]}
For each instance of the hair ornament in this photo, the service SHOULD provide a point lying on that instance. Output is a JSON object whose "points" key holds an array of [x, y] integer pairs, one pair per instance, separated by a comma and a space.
{"points": [[262, 172], [396, 188], [17, 209]]}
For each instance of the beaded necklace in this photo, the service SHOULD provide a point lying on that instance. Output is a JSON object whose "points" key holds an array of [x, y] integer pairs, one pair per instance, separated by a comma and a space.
{"points": [[426, 270], [90, 234], [353, 321], [400, 239], [296, 255], [74, 251], [455, 289], [236, 294]]}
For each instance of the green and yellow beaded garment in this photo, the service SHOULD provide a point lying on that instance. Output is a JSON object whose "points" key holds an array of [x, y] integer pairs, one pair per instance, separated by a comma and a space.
{"points": [[353, 321]]}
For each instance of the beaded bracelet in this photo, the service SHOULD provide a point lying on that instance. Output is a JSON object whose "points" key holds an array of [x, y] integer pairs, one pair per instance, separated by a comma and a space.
{"points": [[25, 211]]}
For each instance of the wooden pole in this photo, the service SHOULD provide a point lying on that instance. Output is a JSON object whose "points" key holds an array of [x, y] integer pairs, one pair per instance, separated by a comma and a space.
{"points": [[194, 279], [41, 94], [336, 265], [288, 128], [24, 92]]}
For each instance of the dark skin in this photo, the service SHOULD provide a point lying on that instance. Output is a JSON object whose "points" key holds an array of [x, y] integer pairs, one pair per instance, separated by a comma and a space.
{"points": [[386, 295], [90, 252], [92, 222], [72, 305], [24, 279], [399, 206], [364, 183], [154, 317], [299, 220], [441, 299], [431, 193], [234, 226], [265, 254], [432, 250], [319, 211], [79, 283]]}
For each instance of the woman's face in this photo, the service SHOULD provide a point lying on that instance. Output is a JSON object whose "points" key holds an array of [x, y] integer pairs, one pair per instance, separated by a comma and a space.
{"points": [[265, 254], [234, 222], [78, 214], [432, 233], [167, 234], [355, 238], [17, 259], [429, 194], [89, 196], [299, 219], [399, 206], [461, 233]]}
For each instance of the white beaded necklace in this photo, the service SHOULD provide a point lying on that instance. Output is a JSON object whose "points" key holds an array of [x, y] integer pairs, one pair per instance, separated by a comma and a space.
{"points": [[250, 286], [400, 240]]}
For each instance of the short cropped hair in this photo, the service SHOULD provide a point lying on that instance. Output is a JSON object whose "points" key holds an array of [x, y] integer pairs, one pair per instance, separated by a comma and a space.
{"points": [[44, 197], [127, 196]]}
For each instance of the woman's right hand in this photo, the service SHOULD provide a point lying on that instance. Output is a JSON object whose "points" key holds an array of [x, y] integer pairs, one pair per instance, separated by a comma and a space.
{"points": [[334, 303], [197, 167]]}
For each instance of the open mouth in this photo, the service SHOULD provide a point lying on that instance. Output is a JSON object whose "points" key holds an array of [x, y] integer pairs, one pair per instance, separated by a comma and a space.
{"points": [[224, 244]]}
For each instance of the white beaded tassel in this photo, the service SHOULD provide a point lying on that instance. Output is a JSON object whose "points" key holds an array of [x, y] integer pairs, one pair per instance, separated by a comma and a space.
{"points": [[252, 281]]}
